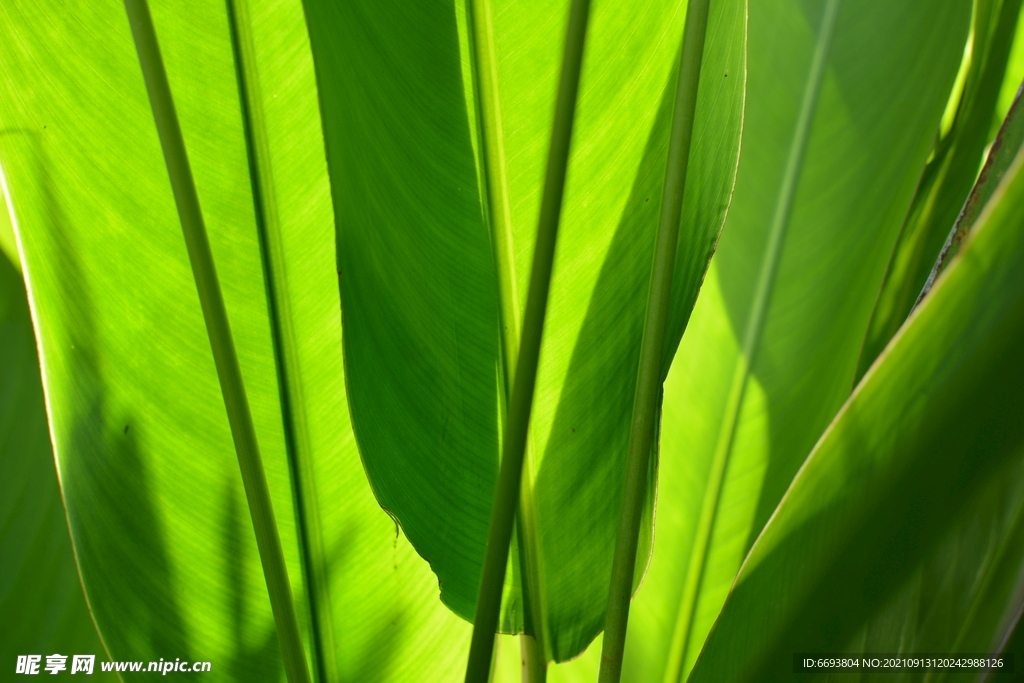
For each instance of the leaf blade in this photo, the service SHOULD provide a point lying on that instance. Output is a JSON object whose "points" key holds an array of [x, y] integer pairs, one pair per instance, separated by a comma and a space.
{"points": [[39, 586], [947, 179], [119, 332], [804, 371], [912, 468], [601, 262]]}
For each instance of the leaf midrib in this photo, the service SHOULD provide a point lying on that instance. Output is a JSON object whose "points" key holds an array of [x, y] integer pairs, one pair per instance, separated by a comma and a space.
{"points": [[293, 407], [498, 214]]}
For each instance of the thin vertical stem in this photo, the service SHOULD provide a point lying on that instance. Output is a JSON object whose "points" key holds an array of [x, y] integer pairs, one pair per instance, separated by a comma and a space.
{"points": [[645, 403], [492, 145], [296, 431], [215, 314], [514, 444], [535, 664], [484, 60]]}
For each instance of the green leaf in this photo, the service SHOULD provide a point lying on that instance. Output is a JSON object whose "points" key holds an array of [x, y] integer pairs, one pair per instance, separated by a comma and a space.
{"points": [[738, 422], [1012, 80], [1003, 150], [433, 277], [949, 175], [913, 500], [8, 244], [149, 476], [39, 587]]}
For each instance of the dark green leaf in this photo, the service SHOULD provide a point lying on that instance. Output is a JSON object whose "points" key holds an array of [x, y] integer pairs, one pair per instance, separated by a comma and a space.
{"points": [[914, 494], [40, 595], [430, 274], [725, 461]]}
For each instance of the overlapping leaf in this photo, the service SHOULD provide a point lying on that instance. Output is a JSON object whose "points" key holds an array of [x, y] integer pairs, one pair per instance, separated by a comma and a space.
{"points": [[149, 474], [735, 429], [39, 589], [433, 277], [912, 503], [948, 177]]}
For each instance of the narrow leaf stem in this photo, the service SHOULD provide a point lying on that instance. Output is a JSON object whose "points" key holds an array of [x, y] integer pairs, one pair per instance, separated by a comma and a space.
{"points": [[484, 59], [296, 431], [215, 314], [535, 665], [495, 175], [510, 473], [678, 652], [648, 384]]}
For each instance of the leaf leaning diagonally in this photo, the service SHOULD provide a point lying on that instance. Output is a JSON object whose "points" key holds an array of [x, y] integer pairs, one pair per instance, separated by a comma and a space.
{"points": [[1004, 149], [423, 292], [869, 137], [930, 445], [40, 595], [142, 442], [948, 176], [8, 243]]}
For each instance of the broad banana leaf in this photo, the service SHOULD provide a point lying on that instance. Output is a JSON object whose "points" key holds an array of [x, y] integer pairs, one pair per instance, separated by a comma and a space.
{"points": [[148, 471], [912, 503], [40, 595], [949, 175], [738, 422], [437, 119]]}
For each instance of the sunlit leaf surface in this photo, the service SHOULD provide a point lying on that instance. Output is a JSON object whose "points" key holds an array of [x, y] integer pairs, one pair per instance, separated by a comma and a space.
{"points": [[149, 473]]}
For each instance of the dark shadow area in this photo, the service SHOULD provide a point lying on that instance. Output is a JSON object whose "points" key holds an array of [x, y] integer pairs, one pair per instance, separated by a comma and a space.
{"points": [[416, 272], [247, 663], [40, 594], [115, 528], [876, 539]]}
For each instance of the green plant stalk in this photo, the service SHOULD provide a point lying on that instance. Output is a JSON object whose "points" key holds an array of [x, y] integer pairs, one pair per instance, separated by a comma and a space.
{"points": [[494, 179], [648, 383], [495, 175], [268, 228], [236, 403], [510, 474], [751, 342]]}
